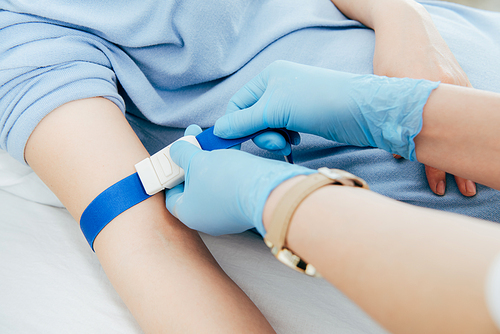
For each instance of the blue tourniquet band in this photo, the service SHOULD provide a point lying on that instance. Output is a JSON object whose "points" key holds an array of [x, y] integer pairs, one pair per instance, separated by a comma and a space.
{"points": [[128, 192], [209, 142], [118, 198]]}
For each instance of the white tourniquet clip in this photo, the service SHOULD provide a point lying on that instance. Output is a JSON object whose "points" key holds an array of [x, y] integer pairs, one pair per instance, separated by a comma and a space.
{"points": [[159, 172]]}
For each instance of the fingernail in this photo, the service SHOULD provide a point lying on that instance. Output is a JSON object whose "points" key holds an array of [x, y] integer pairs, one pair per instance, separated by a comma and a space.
{"points": [[470, 187], [440, 189]]}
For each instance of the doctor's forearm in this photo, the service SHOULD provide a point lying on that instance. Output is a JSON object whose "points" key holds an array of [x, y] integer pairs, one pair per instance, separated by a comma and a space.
{"points": [[414, 270], [161, 269], [460, 133]]}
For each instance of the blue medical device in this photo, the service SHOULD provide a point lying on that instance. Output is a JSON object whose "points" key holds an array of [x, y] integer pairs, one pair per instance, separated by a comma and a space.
{"points": [[154, 174]]}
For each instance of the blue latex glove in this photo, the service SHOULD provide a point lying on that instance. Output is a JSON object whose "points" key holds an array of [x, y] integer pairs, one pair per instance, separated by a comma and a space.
{"points": [[361, 110], [224, 190]]}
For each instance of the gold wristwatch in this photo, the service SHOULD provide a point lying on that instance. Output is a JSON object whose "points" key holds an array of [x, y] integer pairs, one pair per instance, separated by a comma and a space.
{"points": [[276, 234]]}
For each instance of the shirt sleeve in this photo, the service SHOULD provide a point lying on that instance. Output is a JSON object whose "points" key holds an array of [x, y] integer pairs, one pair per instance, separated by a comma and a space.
{"points": [[43, 65], [493, 291]]}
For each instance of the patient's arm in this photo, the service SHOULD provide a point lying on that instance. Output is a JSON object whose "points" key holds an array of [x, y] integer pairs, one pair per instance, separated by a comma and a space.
{"points": [[409, 45], [160, 268], [414, 270]]}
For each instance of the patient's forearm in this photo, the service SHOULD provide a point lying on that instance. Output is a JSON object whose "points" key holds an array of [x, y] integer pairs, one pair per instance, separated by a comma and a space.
{"points": [[460, 133], [408, 44], [160, 268], [375, 13], [413, 269]]}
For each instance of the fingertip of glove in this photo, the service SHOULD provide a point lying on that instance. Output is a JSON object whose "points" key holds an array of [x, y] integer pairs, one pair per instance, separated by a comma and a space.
{"points": [[193, 130], [286, 151], [181, 152], [221, 126], [271, 141], [177, 146], [171, 198]]}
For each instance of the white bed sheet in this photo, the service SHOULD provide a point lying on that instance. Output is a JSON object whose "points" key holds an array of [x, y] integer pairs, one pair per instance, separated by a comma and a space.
{"points": [[51, 282]]}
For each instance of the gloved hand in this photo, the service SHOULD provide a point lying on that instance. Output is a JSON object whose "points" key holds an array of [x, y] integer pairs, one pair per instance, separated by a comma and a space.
{"points": [[361, 110], [225, 191]]}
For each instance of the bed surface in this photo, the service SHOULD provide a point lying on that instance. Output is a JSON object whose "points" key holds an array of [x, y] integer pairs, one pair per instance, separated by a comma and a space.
{"points": [[51, 282]]}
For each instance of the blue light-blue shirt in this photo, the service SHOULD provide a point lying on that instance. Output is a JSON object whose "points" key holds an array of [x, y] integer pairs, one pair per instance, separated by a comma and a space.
{"points": [[173, 62], [168, 56], [178, 62]]}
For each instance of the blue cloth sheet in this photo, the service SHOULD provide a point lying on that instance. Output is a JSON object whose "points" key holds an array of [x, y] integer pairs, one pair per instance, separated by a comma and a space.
{"points": [[172, 63]]}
